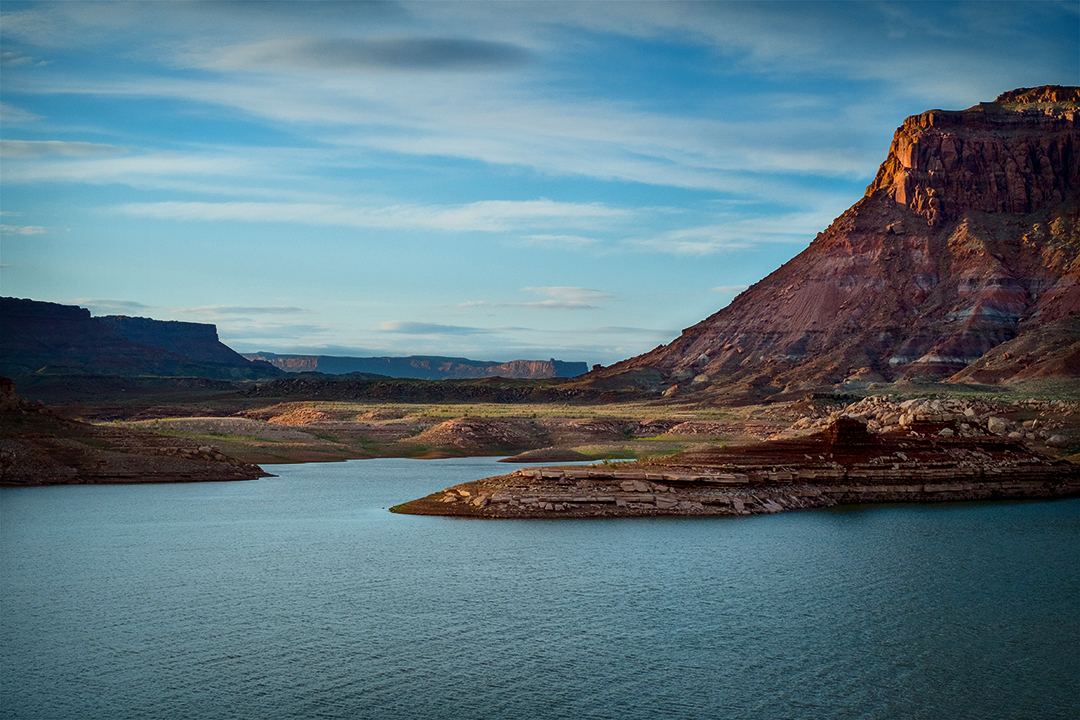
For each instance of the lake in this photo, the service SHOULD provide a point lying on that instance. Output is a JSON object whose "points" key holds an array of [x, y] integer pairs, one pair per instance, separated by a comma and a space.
{"points": [[301, 596]]}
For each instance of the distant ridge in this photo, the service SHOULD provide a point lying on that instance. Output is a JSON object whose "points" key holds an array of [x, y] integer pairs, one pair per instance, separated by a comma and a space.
{"points": [[967, 240], [422, 367], [43, 338]]}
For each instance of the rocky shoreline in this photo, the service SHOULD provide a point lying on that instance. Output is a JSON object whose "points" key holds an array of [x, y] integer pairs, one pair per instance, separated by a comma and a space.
{"points": [[37, 447], [844, 464]]}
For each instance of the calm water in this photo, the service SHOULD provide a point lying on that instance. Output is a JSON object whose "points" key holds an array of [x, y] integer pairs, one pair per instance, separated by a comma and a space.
{"points": [[302, 597]]}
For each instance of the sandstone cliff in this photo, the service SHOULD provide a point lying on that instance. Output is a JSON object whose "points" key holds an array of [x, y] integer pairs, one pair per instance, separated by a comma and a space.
{"points": [[968, 238]]}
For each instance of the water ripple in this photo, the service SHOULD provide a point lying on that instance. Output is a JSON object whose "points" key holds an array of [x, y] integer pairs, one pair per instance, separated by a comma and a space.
{"points": [[300, 597]]}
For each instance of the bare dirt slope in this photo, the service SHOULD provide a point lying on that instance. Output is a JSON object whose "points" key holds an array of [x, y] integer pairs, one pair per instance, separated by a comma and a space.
{"points": [[37, 447]]}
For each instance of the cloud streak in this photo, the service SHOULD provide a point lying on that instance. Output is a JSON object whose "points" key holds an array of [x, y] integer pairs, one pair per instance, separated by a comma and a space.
{"points": [[11, 114], [404, 327], [403, 54], [484, 216], [50, 148], [22, 230], [231, 310], [560, 298]]}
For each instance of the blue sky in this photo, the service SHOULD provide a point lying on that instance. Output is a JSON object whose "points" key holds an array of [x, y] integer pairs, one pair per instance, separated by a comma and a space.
{"points": [[494, 180]]}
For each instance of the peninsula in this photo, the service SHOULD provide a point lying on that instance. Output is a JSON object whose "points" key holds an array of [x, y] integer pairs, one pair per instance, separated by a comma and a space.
{"points": [[923, 462]]}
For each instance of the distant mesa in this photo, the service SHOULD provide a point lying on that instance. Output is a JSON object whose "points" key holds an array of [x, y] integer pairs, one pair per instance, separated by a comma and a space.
{"points": [[48, 339], [423, 367], [42, 338], [960, 264]]}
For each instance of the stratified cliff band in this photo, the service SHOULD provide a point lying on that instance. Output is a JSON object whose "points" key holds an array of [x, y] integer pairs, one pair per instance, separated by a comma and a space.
{"points": [[967, 239]]}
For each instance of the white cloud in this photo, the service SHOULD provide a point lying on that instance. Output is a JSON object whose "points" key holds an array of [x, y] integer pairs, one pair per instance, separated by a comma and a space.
{"points": [[11, 114], [736, 233], [488, 216], [425, 328], [47, 148], [22, 230], [220, 311], [111, 170], [573, 297], [623, 330], [14, 59], [561, 298], [560, 240], [506, 125]]}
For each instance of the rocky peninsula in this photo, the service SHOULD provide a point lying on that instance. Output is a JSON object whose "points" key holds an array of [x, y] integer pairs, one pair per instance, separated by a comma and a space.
{"points": [[924, 460]]}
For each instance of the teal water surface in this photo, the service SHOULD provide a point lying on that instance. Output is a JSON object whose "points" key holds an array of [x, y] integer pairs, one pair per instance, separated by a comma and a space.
{"points": [[301, 596]]}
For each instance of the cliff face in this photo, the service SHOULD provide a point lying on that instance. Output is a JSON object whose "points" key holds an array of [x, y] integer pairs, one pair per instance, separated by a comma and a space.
{"points": [[1015, 155], [423, 367], [967, 238], [54, 339], [195, 341]]}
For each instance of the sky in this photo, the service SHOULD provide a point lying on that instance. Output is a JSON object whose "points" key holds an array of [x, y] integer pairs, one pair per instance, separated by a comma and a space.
{"points": [[491, 180]]}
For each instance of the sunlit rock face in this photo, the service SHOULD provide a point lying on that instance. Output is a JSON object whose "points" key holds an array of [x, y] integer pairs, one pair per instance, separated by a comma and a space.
{"points": [[967, 239], [1015, 155]]}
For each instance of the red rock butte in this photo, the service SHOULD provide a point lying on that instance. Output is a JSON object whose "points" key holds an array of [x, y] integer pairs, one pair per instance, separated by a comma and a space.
{"points": [[960, 263]]}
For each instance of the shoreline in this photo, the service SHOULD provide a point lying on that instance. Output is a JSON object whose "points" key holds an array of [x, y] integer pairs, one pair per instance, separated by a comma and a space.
{"points": [[844, 465]]}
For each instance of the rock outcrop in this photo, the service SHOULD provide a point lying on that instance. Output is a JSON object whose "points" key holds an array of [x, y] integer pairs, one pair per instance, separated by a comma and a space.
{"points": [[1015, 155], [842, 464], [968, 238]]}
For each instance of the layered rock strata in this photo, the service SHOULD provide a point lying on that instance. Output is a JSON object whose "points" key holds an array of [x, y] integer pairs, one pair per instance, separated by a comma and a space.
{"points": [[968, 238], [843, 464]]}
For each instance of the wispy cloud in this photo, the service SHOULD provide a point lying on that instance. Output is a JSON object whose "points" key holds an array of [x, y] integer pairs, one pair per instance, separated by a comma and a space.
{"points": [[623, 330], [560, 298], [736, 233], [561, 241], [111, 170], [424, 328], [22, 230], [230, 310], [270, 333], [489, 215], [11, 114], [401, 54], [47, 148], [571, 298], [13, 59]]}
